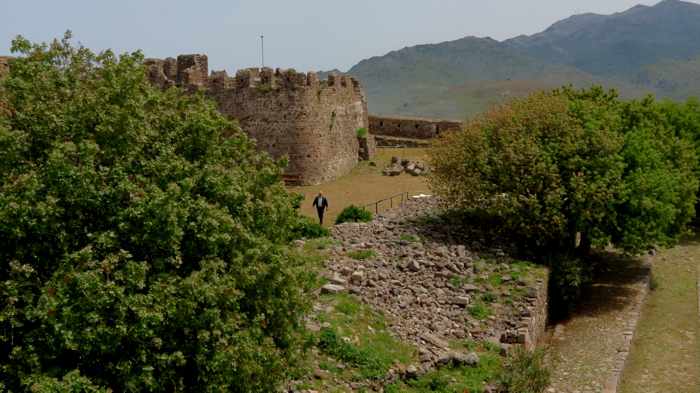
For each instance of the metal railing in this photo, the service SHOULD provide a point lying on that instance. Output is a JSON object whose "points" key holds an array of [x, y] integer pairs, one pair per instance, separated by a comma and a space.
{"points": [[395, 200]]}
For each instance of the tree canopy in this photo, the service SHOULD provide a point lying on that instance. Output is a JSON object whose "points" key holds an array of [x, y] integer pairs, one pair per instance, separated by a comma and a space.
{"points": [[569, 170], [142, 236]]}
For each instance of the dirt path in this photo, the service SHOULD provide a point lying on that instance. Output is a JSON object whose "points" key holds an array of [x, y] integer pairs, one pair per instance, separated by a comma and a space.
{"points": [[665, 354], [585, 351]]}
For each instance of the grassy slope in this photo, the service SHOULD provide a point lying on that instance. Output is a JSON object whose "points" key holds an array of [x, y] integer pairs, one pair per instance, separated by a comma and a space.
{"points": [[665, 356]]}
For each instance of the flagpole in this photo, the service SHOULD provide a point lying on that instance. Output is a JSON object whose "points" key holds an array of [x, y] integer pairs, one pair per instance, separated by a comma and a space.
{"points": [[262, 49]]}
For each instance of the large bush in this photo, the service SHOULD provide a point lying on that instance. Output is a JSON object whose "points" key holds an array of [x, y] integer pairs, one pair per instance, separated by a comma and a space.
{"points": [[571, 170], [140, 249]]}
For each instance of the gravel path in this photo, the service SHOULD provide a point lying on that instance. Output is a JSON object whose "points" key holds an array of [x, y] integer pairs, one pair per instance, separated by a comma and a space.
{"points": [[587, 351]]}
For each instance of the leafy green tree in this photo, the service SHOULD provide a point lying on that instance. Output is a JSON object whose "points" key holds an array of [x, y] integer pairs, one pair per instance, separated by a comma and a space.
{"points": [[142, 236], [570, 170]]}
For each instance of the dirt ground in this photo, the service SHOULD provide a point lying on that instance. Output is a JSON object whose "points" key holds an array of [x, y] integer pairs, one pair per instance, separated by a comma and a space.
{"points": [[365, 185]]}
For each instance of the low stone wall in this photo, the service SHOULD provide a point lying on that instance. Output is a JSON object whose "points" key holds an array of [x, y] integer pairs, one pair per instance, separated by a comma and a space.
{"points": [[4, 65], [411, 127], [394, 142], [530, 330]]}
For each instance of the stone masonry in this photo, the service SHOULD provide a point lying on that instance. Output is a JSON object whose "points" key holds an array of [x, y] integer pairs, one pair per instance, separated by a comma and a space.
{"points": [[312, 122], [409, 127], [4, 65]]}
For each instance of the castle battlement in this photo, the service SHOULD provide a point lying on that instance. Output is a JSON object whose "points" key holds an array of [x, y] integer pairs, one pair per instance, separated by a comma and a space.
{"points": [[4, 65], [313, 122], [191, 72]]}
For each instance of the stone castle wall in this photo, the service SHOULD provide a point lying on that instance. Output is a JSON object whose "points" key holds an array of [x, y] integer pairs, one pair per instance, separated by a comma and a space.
{"points": [[313, 122], [407, 127], [4, 65]]}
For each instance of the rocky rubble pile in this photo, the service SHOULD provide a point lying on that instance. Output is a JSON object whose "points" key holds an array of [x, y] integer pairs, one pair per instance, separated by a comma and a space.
{"points": [[399, 166], [432, 292]]}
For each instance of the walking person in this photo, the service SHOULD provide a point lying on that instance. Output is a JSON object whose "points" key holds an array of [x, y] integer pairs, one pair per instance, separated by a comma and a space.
{"points": [[321, 204]]}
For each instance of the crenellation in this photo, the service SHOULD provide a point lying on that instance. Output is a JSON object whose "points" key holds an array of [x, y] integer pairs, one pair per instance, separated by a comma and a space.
{"points": [[170, 68], [192, 71], [219, 80], [267, 77], [332, 79], [314, 123], [244, 78], [5, 65], [312, 80]]}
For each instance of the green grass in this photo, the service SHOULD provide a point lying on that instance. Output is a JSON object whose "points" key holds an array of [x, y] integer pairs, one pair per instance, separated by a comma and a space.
{"points": [[409, 238], [495, 279], [454, 380], [479, 310], [361, 255], [458, 281], [665, 355], [358, 337], [489, 297]]}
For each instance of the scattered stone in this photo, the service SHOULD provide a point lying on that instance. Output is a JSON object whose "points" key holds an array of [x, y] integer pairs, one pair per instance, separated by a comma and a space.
{"points": [[434, 340], [461, 301], [338, 280], [471, 359], [393, 170], [411, 372], [414, 266], [332, 289], [421, 287], [399, 166], [357, 278]]}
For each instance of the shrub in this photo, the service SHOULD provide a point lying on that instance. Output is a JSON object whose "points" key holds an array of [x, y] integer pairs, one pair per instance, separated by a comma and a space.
{"points": [[524, 372], [569, 276], [307, 228], [141, 248], [362, 133], [354, 213]]}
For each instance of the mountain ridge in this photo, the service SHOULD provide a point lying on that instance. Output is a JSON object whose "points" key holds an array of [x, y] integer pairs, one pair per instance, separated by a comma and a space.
{"points": [[618, 50]]}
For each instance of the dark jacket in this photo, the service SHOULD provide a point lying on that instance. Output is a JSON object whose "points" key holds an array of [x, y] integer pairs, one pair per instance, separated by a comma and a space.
{"points": [[321, 202]]}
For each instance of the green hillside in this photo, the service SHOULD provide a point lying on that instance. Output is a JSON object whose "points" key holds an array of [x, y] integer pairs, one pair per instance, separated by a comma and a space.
{"points": [[640, 51]]}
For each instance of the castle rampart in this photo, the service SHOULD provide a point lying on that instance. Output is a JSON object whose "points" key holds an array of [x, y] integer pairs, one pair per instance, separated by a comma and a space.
{"points": [[4, 65], [410, 127], [311, 121]]}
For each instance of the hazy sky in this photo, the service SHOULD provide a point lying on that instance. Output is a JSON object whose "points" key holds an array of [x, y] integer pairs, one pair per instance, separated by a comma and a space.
{"points": [[304, 34]]}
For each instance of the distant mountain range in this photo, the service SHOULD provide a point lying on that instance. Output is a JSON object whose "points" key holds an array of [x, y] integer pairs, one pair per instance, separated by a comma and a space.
{"points": [[646, 49]]}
